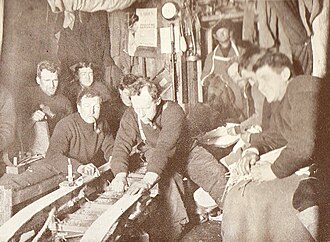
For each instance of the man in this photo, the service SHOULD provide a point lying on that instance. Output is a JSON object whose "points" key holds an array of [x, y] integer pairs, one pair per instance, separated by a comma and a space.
{"points": [[82, 137], [274, 203], [219, 60], [7, 123], [42, 106], [161, 126], [124, 87], [261, 108], [86, 75]]}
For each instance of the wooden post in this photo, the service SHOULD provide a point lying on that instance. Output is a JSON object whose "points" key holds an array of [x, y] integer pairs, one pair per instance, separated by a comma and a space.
{"points": [[6, 197]]}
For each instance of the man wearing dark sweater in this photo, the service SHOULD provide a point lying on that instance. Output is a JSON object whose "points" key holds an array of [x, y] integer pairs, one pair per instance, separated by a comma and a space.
{"points": [[169, 149], [82, 137], [271, 199], [42, 103]]}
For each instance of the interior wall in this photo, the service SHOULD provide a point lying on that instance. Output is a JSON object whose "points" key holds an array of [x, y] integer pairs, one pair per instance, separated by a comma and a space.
{"points": [[28, 38]]}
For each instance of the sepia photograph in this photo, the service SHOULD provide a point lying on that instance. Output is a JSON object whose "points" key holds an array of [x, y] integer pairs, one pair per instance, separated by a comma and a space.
{"points": [[164, 120]]}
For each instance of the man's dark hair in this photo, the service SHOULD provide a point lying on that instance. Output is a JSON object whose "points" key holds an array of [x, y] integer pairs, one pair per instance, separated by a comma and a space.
{"points": [[224, 23], [277, 61], [153, 88], [127, 81], [250, 57], [87, 92], [48, 65], [85, 64]]}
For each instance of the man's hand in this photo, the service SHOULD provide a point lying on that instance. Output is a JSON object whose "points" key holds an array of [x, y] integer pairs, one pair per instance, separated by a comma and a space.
{"points": [[262, 172], [119, 183], [138, 187], [149, 179], [246, 136], [38, 116], [244, 164], [88, 170]]}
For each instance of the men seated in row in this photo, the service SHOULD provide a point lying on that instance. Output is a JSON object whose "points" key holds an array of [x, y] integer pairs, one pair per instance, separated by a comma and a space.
{"points": [[41, 107], [82, 137], [274, 204], [168, 150]]}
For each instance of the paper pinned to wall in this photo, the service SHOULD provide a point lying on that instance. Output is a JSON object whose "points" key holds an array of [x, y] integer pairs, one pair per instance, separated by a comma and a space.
{"points": [[146, 35], [165, 39]]}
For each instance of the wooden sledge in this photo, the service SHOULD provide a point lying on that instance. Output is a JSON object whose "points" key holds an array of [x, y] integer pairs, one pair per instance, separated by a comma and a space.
{"points": [[98, 225], [106, 217], [15, 225]]}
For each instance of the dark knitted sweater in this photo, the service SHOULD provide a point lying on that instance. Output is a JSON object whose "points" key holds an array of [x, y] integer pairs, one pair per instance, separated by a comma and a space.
{"points": [[74, 138], [34, 96], [293, 124], [166, 146]]}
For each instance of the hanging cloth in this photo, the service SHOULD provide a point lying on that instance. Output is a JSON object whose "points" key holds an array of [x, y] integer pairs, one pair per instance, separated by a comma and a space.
{"points": [[69, 6], [300, 42]]}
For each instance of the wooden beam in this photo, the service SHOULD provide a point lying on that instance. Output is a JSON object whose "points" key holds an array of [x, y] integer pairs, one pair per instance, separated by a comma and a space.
{"points": [[6, 197], [217, 17]]}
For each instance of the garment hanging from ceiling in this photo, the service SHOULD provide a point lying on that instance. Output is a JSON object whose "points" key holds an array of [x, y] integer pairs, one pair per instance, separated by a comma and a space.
{"points": [[88, 41], [285, 17], [70, 6]]}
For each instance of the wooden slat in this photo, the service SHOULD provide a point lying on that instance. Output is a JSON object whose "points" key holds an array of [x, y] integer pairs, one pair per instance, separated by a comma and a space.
{"points": [[6, 196], [100, 228], [8, 230]]}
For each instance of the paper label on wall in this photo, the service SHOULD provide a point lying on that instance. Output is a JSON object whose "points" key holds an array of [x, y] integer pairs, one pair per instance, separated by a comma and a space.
{"points": [[146, 35], [165, 39]]}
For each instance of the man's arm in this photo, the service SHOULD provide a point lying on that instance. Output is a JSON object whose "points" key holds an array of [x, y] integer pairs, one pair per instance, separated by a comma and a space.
{"points": [[300, 147], [107, 145], [173, 119], [125, 140], [59, 145], [269, 139]]}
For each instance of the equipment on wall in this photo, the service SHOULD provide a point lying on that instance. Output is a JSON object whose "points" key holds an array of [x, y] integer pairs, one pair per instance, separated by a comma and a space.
{"points": [[170, 11]]}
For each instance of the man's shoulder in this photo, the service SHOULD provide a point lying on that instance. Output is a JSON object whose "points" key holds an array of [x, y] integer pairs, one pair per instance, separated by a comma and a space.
{"points": [[31, 90], [68, 120], [172, 106], [128, 114], [61, 98], [304, 83]]}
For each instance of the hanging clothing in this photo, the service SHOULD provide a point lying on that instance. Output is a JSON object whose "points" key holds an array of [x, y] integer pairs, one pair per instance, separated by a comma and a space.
{"points": [[69, 6], [88, 41], [280, 23]]}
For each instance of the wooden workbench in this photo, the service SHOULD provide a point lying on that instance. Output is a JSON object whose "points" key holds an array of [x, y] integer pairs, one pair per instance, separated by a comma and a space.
{"points": [[16, 191]]}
